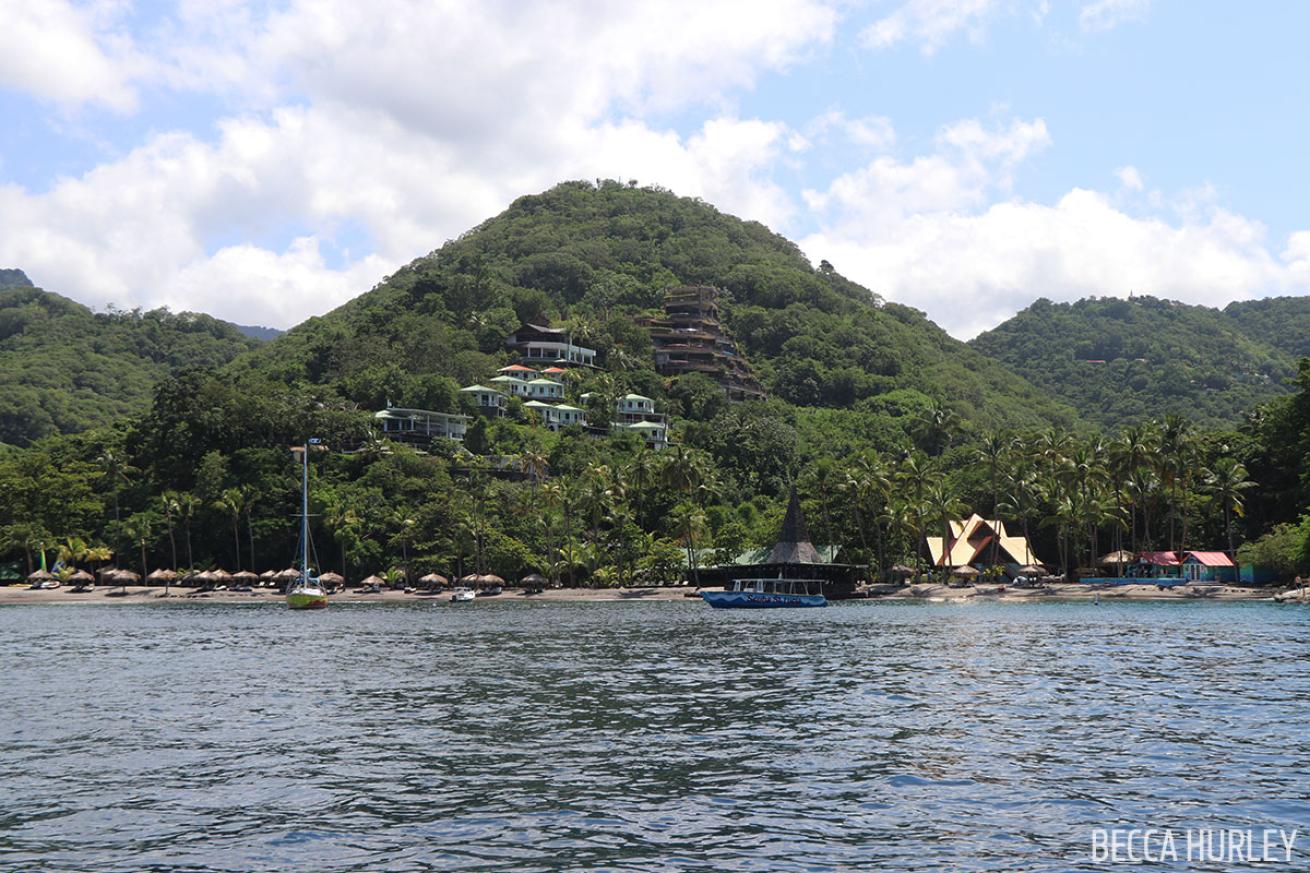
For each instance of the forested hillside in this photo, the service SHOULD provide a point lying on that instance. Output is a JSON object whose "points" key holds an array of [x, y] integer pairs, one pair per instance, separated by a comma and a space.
{"points": [[64, 368], [888, 428], [1282, 322], [594, 256], [1125, 361]]}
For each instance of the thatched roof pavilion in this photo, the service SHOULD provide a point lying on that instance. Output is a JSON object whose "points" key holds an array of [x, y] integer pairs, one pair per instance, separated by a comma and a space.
{"points": [[792, 557]]}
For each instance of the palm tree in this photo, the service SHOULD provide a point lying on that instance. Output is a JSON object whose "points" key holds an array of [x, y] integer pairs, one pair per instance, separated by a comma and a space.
{"points": [[232, 502], [552, 499], [343, 523], [139, 530], [687, 471], [993, 453], [1226, 481], [73, 550], [249, 497], [914, 474], [168, 501], [115, 472], [404, 536], [186, 510], [947, 508]]}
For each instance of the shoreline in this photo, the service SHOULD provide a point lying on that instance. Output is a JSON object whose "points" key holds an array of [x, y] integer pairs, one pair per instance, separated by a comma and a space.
{"points": [[927, 593]]}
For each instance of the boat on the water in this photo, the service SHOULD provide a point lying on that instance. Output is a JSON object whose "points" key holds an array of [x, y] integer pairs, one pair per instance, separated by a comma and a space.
{"points": [[768, 594], [462, 595], [306, 592]]}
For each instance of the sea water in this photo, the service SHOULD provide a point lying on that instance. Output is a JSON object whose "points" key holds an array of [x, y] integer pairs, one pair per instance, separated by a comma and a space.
{"points": [[643, 736]]}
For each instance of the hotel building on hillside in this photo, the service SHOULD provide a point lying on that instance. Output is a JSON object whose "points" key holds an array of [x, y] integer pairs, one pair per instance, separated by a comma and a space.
{"points": [[690, 338]]}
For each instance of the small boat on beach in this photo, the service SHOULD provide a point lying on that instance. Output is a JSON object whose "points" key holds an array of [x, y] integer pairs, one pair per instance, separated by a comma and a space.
{"points": [[768, 594], [307, 592], [463, 595]]}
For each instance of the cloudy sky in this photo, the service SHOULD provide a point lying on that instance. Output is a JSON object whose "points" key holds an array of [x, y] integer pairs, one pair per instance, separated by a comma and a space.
{"points": [[265, 161]]}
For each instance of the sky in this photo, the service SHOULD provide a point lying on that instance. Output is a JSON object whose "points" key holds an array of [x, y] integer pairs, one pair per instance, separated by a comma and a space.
{"points": [[266, 161]]}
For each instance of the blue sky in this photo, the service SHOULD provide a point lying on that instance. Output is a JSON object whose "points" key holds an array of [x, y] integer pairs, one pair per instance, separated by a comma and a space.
{"points": [[265, 161]]}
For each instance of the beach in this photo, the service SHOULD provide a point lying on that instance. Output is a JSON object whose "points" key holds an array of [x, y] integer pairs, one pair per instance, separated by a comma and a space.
{"points": [[932, 593]]}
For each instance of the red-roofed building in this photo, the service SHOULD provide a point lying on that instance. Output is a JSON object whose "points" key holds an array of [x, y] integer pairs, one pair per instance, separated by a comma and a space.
{"points": [[1209, 567], [518, 369]]}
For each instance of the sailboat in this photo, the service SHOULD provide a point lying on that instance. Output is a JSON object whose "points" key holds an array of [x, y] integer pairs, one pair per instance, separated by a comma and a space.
{"points": [[306, 592]]}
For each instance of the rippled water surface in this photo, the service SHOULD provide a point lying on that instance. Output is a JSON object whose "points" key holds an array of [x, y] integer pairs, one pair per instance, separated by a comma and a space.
{"points": [[640, 736]]}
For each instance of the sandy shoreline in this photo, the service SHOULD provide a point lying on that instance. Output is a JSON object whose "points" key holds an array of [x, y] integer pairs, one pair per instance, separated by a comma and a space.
{"points": [[19, 594]]}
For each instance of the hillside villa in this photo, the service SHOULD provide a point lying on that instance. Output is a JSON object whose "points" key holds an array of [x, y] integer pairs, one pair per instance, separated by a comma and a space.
{"points": [[539, 343]]}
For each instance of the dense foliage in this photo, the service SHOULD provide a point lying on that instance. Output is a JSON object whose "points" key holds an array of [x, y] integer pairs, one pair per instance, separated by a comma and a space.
{"points": [[1125, 361], [65, 369], [591, 257], [886, 426]]}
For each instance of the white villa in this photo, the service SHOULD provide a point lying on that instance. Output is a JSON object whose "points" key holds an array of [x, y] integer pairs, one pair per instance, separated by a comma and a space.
{"points": [[537, 342], [421, 425], [486, 399], [542, 397]]}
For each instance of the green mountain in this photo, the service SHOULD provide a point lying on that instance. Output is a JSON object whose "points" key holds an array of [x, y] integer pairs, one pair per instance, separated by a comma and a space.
{"points": [[594, 256], [1282, 322], [1121, 361], [64, 368]]}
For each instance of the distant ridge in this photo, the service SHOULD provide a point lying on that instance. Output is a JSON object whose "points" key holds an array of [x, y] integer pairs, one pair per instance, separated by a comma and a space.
{"points": [[1120, 361], [259, 332]]}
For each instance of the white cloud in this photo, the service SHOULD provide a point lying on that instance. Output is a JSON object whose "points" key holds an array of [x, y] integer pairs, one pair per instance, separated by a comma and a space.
{"points": [[929, 23], [1102, 15], [940, 233], [68, 54], [1129, 178], [410, 124]]}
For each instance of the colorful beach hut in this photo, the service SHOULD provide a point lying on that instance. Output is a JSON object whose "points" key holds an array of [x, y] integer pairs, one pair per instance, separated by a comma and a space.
{"points": [[1208, 567]]}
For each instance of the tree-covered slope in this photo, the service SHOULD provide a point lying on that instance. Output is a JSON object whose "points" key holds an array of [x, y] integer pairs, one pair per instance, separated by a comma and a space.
{"points": [[64, 368], [1121, 361], [1282, 322], [594, 256]]}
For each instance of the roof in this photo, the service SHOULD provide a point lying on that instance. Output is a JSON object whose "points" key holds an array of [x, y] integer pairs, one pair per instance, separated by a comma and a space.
{"points": [[537, 404], [546, 382], [794, 546], [397, 413], [1211, 559], [542, 328], [636, 397], [484, 388], [564, 407], [971, 541], [516, 368], [1160, 559], [553, 370], [645, 425]]}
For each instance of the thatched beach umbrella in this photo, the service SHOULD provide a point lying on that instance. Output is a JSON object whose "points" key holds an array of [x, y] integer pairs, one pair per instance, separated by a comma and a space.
{"points": [[161, 577], [901, 570], [469, 581], [331, 578], [966, 570], [434, 580], [82, 577], [245, 578], [40, 577], [374, 580], [1122, 556], [534, 580], [1032, 569], [288, 574], [490, 580], [124, 577]]}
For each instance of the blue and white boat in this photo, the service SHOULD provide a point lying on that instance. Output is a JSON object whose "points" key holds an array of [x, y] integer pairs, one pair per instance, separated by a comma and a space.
{"points": [[768, 594]]}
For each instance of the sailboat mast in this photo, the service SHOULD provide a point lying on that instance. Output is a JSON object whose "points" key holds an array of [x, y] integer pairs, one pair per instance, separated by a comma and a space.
{"points": [[304, 514]]}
